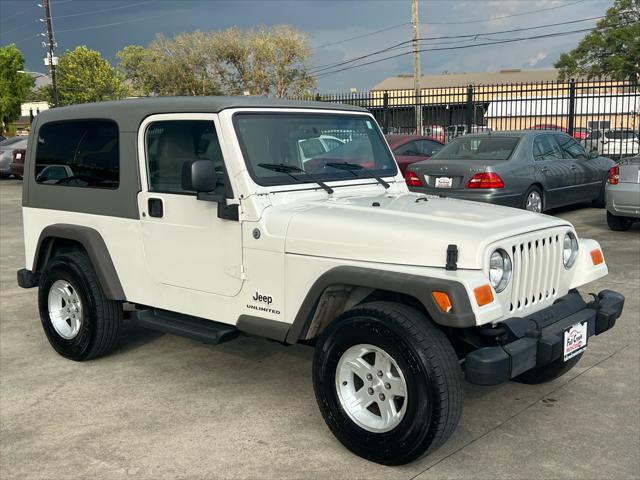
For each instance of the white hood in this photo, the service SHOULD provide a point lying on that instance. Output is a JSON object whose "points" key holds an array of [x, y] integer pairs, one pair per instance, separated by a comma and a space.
{"points": [[405, 229]]}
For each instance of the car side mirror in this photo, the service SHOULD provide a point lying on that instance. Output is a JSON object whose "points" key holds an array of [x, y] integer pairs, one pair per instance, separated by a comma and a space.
{"points": [[201, 176], [593, 153]]}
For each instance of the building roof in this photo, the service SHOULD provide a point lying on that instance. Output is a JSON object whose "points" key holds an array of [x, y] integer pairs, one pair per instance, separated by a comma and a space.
{"points": [[462, 79], [130, 113]]}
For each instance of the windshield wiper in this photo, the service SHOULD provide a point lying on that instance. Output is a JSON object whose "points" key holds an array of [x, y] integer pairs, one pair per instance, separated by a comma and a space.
{"points": [[351, 167], [287, 169]]}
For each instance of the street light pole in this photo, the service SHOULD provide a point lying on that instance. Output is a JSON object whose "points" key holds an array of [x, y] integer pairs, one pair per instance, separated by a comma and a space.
{"points": [[50, 54], [416, 64]]}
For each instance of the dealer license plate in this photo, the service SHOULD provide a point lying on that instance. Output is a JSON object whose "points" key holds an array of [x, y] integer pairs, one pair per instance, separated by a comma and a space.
{"points": [[575, 340], [444, 182]]}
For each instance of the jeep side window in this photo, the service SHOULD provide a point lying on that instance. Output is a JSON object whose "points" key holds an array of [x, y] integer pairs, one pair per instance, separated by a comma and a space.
{"points": [[171, 143], [85, 153]]}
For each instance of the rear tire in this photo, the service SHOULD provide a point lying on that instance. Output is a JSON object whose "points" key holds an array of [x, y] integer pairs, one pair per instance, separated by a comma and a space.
{"points": [[352, 400], [549, 372], [533, 200], [619, 224], [80, 322]]}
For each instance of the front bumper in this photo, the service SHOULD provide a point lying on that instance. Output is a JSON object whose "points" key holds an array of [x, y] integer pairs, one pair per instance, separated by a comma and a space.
{"points": [[537, 340]]}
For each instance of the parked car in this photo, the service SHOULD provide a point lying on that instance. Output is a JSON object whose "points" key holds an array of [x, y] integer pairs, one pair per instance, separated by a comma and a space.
{"points": [[6, 153], [623, 194], [396, 291], [454, 131], [615, 143], [409, 149], [312, 147], [528, 169], [436, 132]]}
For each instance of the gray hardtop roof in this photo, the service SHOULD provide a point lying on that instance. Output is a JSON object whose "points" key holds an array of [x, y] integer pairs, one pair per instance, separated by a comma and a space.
{"points": [[130, 113]]}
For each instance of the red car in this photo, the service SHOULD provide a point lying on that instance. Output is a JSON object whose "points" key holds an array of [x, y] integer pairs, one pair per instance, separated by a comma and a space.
{"points": [[410, 149]]}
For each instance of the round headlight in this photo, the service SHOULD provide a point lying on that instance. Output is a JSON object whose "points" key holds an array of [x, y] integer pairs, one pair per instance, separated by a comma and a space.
{"points": [[500, 269], [569, 250]]}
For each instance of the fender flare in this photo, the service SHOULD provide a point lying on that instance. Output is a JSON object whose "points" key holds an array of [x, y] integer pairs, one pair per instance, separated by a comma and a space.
{"points": [[97, 250], [415, 286]]}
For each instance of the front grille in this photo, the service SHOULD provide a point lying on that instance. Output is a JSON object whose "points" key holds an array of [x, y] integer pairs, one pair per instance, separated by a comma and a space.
{"points": [[536, 270]]}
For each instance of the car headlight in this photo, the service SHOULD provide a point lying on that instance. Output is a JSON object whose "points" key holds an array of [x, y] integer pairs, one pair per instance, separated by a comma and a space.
{"points": [[500, 269], [569, 250]]}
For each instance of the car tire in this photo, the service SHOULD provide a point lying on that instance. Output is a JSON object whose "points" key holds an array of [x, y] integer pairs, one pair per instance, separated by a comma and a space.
{"points": [[544, 374], [420, 355], [529, 200], [79, 321], [17, 177], [599, 201], [619, 224]]}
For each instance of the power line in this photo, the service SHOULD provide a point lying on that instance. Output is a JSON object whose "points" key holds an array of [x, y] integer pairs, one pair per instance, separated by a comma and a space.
{"points": [[502, 17], [320, 68], [535, 37], [58, 17], [362, 36], [91, 27], [483, 20]]}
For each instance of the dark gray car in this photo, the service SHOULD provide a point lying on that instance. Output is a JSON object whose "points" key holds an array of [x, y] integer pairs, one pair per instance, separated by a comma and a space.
{"points": [[531, 169]]}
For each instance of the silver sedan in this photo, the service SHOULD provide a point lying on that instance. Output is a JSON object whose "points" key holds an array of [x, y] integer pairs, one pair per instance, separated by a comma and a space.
{"points": [[531, 169], [623, 194]]}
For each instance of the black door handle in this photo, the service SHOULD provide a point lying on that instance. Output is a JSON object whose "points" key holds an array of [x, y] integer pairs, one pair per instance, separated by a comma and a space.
{"points": [[156, 208]]}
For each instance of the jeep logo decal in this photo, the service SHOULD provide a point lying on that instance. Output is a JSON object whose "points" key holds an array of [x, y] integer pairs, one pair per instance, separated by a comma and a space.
{"points": [[258, 297]]}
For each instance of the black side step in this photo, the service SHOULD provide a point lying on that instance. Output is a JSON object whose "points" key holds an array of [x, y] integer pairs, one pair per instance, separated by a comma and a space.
{"points": [[195, 328]]}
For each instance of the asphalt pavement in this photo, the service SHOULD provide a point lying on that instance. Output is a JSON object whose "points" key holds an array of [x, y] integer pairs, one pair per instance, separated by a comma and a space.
{"points": [[162, 406]]}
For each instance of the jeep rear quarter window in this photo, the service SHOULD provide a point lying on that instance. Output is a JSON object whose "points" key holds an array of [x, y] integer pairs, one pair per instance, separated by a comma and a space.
{"points": [[87, 151]]}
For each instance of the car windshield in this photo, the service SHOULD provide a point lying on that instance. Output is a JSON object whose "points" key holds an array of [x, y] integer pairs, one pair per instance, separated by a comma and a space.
{"points": [[620, 134], [478, 148], [290, 148]]}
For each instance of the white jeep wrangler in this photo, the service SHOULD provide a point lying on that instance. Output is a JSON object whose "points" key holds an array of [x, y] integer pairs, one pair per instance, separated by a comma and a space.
{"points": [[207, 217]]}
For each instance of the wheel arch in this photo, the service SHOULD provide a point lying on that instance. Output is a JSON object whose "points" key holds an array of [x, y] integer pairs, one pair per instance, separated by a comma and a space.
{"points": [[341, 288], [60, 238]]}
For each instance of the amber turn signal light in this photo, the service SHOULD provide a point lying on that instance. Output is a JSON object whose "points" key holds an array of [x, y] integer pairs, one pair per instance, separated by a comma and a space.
{"points": [[443, 301], [596, 256], [484, 295]]}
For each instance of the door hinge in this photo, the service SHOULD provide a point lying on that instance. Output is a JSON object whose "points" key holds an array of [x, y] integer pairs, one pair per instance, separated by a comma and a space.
{"points": [[237, 271]]}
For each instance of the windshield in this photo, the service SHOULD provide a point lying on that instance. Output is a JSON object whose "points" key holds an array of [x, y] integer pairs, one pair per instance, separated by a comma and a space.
{"points": [[478, 148], [290, 148], [620, 134]]}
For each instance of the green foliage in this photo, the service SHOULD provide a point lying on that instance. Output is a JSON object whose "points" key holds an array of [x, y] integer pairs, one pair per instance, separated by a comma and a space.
{"points": [[84, 76], [612, 49], [14, 85], [263, 62]]}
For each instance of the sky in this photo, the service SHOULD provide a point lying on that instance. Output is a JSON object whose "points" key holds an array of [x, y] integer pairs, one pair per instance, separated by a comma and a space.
{"points": [[110, 25]]}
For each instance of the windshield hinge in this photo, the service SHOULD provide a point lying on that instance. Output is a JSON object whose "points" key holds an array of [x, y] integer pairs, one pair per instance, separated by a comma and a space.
{"points": [[452, 257]]}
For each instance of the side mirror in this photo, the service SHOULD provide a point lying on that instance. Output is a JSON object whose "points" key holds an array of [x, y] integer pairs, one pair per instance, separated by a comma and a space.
{"points": [[593, 153], [200, 176]]}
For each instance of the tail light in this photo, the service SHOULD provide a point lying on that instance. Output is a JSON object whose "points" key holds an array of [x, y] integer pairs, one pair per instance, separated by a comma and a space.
{"points": [[614, 175], [485, 180], [412, 179]]}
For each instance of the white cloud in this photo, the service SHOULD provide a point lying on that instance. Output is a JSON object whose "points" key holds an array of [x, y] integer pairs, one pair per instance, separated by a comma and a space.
{"points": [[537, 58]]}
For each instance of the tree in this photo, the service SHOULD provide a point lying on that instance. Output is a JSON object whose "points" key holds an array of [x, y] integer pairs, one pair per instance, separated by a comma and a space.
{"points": [[84, 76], [611, 49], [14, 84], [263, 62]]}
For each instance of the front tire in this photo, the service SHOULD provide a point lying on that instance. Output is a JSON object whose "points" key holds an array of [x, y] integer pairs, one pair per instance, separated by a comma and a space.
{"points": [[79, 321], [387, 382], [618, 224]]}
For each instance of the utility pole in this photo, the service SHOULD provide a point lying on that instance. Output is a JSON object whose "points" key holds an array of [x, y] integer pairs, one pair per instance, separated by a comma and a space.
{"points": [[416, 65], [51, 59]]}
